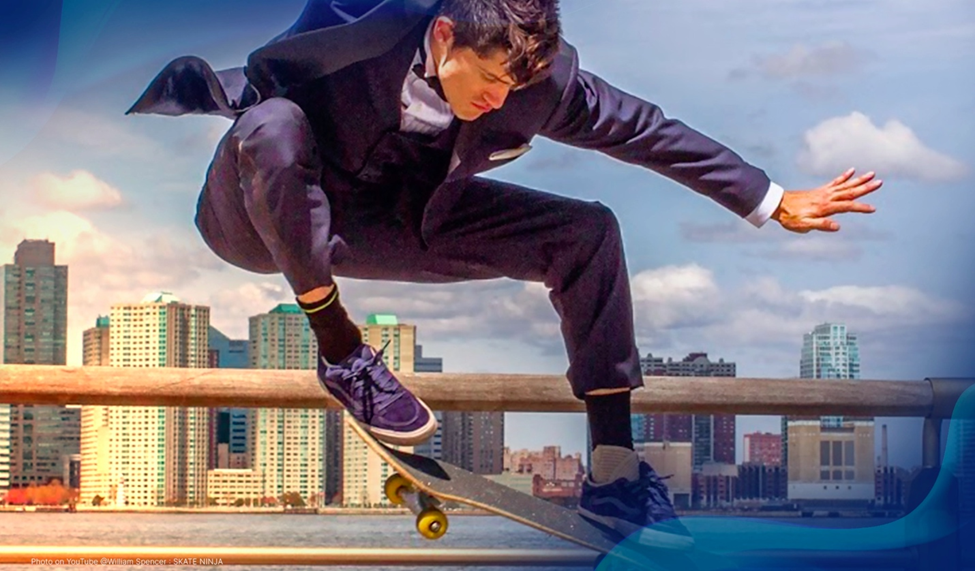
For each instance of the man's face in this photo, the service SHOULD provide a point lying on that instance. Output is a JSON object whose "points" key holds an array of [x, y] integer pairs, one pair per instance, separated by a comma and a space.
{"points": [[472, 85]]}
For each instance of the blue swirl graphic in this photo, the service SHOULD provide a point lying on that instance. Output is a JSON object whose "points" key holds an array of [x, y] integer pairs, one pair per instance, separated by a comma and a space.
{"points": [[724, 542]]}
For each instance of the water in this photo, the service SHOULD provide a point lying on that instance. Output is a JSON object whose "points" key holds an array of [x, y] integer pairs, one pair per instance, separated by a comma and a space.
{"points": [[279, 530], [260, 530]]}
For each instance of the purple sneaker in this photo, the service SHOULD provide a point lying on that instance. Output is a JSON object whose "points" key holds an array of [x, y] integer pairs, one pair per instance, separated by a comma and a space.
{"points": [[373, 396], [637, 509]]}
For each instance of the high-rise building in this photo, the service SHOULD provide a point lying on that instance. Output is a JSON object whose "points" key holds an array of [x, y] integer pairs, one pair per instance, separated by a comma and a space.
{"points": [[712, 436], [763, 449], [228, 426], [830, 352], [332, 446], [474, 440], [96, 345], [432, 448], [35, 297], [363, 472], [398, 341], [423, 364], [228, 353], [34, 303], [829, 458], [149, 456], [41, 438], [286, 444], [282, 339], [96, 473]]}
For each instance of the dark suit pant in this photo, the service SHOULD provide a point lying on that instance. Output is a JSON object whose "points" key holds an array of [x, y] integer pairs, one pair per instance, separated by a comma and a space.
{"points": [[269, 206]]}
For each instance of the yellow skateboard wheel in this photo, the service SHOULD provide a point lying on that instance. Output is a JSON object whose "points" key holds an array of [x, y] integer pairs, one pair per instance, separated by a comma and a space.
{"points": [[431, 523], [394, 487]]}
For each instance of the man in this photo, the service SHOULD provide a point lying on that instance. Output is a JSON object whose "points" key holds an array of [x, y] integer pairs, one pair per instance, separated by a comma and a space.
{"points": [[357, 137]]}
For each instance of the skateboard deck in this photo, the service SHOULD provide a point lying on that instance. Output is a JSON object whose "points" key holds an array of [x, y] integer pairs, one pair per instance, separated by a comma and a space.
{"points": [[431, 482]]}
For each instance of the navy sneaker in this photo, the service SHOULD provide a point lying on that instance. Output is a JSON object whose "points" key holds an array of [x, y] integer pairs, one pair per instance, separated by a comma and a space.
{"points": [[373, 396], [637, 509]]}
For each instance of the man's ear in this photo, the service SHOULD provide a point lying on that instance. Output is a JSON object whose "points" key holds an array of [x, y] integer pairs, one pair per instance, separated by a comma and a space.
{"points": [[443, 32]]}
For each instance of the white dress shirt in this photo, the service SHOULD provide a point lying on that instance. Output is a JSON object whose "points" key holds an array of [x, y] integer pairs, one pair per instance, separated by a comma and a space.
{"points": [[425, 112]]}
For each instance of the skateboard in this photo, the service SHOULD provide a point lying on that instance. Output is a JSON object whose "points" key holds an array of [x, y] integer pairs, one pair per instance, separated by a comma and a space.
{"points": [[424, 485]]}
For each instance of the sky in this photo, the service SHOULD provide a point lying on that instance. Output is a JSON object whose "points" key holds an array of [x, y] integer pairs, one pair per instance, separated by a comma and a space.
{"points": [[802, 89]]}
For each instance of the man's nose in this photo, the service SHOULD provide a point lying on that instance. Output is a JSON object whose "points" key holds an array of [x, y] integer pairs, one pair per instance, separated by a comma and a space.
{"points": [[496, 97]]}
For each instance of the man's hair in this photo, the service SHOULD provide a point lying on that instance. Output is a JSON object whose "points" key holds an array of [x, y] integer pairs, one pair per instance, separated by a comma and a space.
{"points": [[527, 30]]}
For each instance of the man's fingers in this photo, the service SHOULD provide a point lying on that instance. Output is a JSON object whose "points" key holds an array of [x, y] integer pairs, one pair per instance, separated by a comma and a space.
{"points": [[810, 224], [842, 178], [854, 182], [856, 192], [840, 207], [824, 225]]}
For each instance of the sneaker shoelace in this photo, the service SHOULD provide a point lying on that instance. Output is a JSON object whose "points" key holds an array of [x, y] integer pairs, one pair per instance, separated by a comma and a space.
{"points": [[651, 491], [372, 383]]}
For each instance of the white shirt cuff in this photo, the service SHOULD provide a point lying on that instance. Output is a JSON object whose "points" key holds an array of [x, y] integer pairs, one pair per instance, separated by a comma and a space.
{"points": [[764, 211]]}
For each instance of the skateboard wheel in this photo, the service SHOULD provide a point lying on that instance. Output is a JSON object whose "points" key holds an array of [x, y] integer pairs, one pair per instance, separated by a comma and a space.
{"points": [[431, 523], [395, 486]]}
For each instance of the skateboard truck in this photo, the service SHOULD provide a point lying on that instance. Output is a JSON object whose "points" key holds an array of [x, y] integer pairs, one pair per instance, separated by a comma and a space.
{"points": [[431, 522]]}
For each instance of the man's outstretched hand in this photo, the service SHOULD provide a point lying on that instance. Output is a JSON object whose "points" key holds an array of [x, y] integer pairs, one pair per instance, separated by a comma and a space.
{"points": [[805, 210]]}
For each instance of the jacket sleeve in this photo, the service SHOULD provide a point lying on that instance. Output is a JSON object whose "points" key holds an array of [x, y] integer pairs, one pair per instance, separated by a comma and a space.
{"points": [[592, 114]]}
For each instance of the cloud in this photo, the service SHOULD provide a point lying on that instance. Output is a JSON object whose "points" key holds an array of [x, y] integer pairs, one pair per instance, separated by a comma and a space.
{"points": [[485, 310], [906, 305], [831, 58], [837, 143], [675, 297], [231, 307], [76, 192], [480, 311]]}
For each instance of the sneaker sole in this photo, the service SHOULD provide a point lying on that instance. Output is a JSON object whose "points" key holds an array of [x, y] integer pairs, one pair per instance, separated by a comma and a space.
{"points": [[642, 535], [418, 436]]}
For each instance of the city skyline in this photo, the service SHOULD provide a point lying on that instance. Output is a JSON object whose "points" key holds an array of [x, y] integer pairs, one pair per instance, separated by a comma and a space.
{"points": [[745, 424], [279, 339]]}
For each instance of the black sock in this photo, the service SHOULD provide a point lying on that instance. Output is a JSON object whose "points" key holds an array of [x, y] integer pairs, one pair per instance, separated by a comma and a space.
{"points": [[337, 335], [609, 419]]}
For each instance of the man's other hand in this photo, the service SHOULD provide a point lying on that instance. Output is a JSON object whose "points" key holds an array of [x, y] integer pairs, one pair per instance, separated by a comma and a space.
{"points": [[804, 210]]}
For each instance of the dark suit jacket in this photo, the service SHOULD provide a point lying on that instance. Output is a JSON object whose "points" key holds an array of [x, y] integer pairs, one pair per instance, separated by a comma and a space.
{"points": [[571, 106]]}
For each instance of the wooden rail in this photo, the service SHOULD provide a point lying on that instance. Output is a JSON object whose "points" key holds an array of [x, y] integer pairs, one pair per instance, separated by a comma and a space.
{"points": [[43, 384]]}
